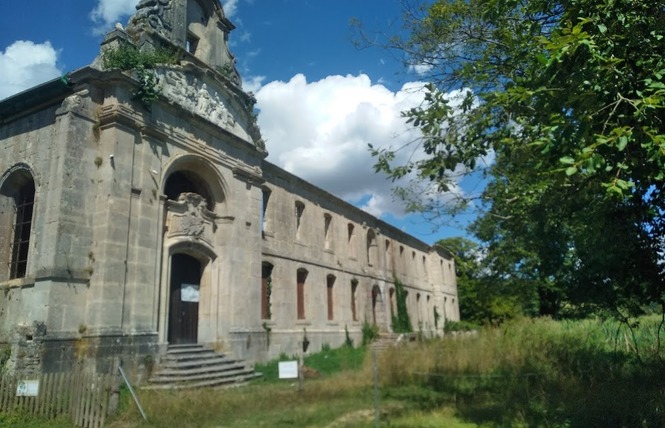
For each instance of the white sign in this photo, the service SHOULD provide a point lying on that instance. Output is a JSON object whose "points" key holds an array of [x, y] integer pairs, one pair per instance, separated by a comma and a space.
{"points": [[189, 293], [288, 369], [27, 388]]}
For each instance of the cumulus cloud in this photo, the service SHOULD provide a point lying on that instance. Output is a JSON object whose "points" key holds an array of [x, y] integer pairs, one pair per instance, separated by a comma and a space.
{"points": [[108, 12], [24, 64], [320, 131]]}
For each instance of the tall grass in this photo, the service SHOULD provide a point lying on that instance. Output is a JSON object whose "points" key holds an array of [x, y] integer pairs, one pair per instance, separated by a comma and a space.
{"points": [[539, 373]]}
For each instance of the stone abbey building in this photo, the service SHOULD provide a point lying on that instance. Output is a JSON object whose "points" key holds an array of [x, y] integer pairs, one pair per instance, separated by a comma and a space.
{"points": [[137, 210]]}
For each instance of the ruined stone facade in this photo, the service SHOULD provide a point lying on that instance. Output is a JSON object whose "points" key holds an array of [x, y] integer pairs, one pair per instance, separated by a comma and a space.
{"points": [[126, 226]]}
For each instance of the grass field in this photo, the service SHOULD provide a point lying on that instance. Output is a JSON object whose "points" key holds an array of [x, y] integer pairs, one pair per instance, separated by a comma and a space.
{"points": [[529, 373]]}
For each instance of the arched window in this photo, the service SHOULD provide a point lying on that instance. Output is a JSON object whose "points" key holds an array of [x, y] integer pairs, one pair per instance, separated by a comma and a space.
{"points": [[330, 282], [17, 198], [372, 248], [388, 256], [266, 223], [351, 240], [327, 233], [300, 210], [376, 296], [266, 290], [300, 292], [354, 291]]}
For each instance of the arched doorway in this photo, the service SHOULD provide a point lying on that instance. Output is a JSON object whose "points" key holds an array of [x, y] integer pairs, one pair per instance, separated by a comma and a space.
{"points": [[184, 299]]}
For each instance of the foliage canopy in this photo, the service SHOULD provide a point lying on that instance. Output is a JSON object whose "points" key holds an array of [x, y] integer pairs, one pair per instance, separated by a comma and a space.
{"points": [[567, 97]]}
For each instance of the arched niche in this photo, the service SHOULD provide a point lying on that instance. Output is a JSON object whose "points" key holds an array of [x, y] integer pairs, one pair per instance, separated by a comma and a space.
{"points": [[193, 174]]}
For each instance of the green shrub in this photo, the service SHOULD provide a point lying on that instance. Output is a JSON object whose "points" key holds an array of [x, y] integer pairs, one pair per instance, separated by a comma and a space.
{"points": [[128, 57], [370, 332], [451, 326]]}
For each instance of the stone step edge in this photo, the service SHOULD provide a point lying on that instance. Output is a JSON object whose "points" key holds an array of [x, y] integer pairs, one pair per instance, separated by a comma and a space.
{"points": [[200, 376]]}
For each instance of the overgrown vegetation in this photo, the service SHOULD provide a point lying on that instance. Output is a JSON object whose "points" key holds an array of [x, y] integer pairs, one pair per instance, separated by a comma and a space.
{"points": [[370, 332], [401, 323], [128, 57], [537, 372], [524, 373]]}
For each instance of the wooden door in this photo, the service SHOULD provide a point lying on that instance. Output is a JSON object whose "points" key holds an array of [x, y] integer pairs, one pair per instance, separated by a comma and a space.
{"points": [[184, 299]]}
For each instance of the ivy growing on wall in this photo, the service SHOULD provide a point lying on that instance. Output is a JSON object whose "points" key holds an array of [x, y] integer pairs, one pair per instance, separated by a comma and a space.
{"points": [[401, 322], [128, 57], [268, 294]]}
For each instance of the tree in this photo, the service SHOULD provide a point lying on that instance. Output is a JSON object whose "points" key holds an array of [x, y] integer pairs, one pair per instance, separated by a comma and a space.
{"points": [[568, 97], [484, 296]]}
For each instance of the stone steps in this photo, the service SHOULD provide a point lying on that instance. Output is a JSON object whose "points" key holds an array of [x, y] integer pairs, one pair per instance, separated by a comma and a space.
{"points": [[196, 366], [389, 340]]}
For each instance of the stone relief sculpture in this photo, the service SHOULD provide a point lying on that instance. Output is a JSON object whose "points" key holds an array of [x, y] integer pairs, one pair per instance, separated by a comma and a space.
{"points": [[200, 99], [190, 217], [153, 10]]}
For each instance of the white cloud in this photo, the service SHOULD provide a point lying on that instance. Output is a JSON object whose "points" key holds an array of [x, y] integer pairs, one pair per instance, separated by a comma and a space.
{"points": [[25, 64], [420, 69], [108, 12], [230, 7], [320, 131], [253, 83]]}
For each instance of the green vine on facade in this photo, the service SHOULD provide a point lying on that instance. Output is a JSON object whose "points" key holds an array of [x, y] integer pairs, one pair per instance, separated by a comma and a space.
{"points": [[268, 294], [401, 322], [127, 57]]}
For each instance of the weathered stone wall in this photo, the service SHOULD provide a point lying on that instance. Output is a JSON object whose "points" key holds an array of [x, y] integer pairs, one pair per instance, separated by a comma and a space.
{"points": [[124, 190]]}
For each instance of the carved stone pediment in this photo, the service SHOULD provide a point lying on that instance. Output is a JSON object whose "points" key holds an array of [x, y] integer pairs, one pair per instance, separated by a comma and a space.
{"points": [[210, 101], [189, 217]]}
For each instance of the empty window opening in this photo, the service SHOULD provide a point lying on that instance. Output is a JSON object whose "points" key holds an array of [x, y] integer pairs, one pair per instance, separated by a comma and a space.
{"points": [[265, 220], [327, 234], [192, 43], [372, 248], [354, 290], [266, 290], [351, 240], [330, 282], [300, 209], [376, 296], [300, 291]]}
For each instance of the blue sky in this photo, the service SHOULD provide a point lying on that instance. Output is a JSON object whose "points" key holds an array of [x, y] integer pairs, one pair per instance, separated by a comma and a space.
{"points": [[298, 53]]}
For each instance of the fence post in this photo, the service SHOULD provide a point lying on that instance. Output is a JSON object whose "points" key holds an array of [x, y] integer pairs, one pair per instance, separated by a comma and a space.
{"points": [[131, 390]]}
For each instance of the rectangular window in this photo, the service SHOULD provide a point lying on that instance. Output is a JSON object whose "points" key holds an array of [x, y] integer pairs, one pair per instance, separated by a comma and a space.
{"points": [[192, 43]]}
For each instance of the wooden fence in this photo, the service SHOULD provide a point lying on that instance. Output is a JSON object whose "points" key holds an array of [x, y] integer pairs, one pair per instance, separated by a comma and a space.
{"points": [[84, 396]]}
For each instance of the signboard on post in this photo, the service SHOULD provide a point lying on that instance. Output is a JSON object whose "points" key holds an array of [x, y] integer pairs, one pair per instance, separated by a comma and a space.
{"points": [[27, 388], [288, 369]]}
